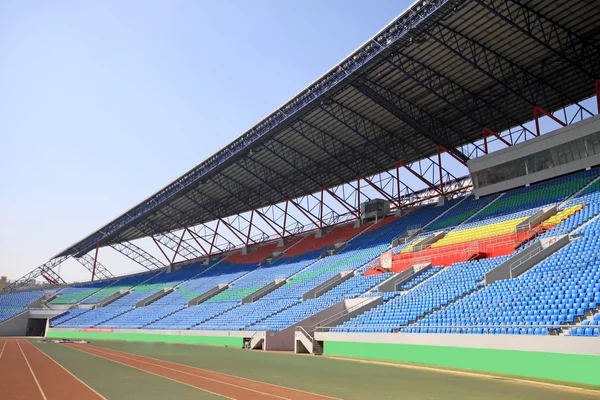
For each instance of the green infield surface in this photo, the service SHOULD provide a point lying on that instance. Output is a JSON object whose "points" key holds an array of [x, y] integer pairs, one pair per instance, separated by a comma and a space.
{"points": [[142, 370]]}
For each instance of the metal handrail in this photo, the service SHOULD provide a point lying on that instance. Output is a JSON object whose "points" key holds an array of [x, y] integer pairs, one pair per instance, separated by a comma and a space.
{"points": [[525, 258], [334, 283], [308, 335], [340, 314], [428, 258]]}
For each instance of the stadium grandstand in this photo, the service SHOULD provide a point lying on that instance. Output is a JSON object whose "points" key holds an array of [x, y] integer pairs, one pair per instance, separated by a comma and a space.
{"points": [[432, 199]]}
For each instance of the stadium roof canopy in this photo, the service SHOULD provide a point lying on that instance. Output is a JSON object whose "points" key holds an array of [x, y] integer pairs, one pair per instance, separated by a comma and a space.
{"points": [[433, 78]]}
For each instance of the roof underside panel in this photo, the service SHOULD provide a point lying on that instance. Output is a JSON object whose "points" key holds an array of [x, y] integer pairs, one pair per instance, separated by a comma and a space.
{"points": [[462, 66]]}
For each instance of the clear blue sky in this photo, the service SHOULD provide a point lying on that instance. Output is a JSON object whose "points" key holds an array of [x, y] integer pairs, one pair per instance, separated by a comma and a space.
{"points": [[102, 103]]}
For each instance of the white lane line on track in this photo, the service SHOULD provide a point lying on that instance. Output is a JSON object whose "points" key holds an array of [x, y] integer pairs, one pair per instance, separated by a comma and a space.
{"points": [[32, 373], [69, 372]]}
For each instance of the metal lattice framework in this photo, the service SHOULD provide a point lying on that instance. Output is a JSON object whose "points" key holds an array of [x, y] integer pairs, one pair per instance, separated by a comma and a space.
{"points": [[430, 91]]}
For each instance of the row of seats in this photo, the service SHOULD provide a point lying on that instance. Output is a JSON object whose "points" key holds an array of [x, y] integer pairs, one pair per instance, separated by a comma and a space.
{"points": [[538, 195], [361, 249], [75, 294], [560, 290], [444, 287], [15, 303], [480, 232], [562, 215]]}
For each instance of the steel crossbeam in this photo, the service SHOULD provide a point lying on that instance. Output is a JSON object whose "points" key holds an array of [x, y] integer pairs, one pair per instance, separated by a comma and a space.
{"points": [[138, 255]]}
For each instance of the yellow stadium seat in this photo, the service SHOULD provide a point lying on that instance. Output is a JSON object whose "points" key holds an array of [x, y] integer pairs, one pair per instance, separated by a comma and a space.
{"points": [[480, 232], [410, 247], [562, 215]]}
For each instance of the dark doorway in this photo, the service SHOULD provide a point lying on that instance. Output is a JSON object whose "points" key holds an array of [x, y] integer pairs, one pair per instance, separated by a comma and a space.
{"points": [[36, 326]]}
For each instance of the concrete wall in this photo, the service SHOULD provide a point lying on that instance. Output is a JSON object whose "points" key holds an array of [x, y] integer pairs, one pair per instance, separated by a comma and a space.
{"points": [[328, 284], [428, 241], [208, 294], [354, 307], [561, 241], [37, 303], [15, 326], [263, 291], [554, 344], [217, 338], [113, 297], [571, 359], [45, 314], [537, 218], [153, 297], [502, 271], [285, 339], [544, 142]]}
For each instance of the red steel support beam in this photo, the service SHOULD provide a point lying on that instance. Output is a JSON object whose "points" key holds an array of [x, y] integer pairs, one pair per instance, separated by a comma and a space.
{"points": [[486, 132], [439, 153], [196, 240], [398, 183], [598, 94], [304, 213], [214, 237], [384, 194], [161, 250], [178, 245], [249, 228], [342, 202], [453, 156], [50, 280], [321, 212], [268, 223], [285, 218], [232, 230], [95, 261], [425, 181], [539, 110]]}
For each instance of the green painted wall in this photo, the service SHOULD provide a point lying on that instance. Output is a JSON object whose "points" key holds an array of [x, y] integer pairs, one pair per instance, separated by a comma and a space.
{"points": [[151, 337], [554, 366]]}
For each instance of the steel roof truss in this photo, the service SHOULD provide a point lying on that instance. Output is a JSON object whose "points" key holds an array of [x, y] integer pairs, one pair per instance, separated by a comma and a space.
{"points": [[275, 188], [545, 31], [383, 140], [95, 267], [47, 271], [303, 170], [138, 255], [421, 121], [456, 96], [531, 89], [313, 131]]}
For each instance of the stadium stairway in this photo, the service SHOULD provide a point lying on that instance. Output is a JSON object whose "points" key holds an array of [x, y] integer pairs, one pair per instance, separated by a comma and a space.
{"points": [[234, 292], [308, 307], [567, 269], [442, 289]]}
